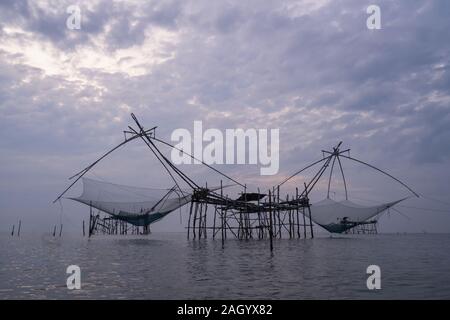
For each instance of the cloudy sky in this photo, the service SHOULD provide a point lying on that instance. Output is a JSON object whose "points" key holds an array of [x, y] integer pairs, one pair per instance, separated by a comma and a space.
{"points": [[310, 68]]}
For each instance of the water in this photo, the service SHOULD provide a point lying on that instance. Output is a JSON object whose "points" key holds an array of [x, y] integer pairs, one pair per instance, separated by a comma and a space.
{"points": [[167, 266]]}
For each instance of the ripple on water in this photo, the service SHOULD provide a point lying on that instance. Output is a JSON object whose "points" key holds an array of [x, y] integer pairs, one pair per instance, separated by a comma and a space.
{"points": [[167, 266]]}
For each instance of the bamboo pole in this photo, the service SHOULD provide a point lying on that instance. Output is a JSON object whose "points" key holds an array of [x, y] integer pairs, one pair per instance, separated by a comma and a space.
{"points": [[189, 219], [195, 219], [289, 218], [270, 228], [309, 211], [214, 222], [222, 216], [200, 221], [18, 229], [298, 217], [278, 212], [205, 235], [90, 219], [259, 215], [225, 216]]}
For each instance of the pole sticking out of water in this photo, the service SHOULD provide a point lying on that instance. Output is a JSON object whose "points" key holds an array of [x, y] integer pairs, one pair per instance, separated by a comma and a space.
{"points": [[309, 211], [222, 216], [60, 230], [12, 232], [271, 222], [18, 230], [90, 219], [54, 230]]}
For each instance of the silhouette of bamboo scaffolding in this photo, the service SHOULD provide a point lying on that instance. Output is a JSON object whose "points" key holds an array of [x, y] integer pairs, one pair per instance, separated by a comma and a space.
{"points": [[248, 217]]}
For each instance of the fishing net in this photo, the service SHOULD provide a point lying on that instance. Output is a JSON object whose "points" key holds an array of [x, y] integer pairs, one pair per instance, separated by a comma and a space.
{"points": [[337, 216], [139, 206]]}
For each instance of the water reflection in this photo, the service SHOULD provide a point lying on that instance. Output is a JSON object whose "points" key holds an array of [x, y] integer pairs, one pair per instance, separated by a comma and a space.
{"points": [[167, 266]]}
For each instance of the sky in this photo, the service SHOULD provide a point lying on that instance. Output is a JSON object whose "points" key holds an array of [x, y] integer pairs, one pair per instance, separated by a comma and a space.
{"points": [[311, 69]]}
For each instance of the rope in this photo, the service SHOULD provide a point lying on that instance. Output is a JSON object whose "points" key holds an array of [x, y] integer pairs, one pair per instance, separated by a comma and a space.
{"points": [[434, 199], [425, 209]]}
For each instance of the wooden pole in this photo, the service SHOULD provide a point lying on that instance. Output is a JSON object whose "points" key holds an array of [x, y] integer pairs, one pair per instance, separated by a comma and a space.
{"points": [[195, 219], [60, 230], [205, 235], [259, 218], [200, 221], [304, 221], [298, 217], [222, 216], [240, 224], [12, 232], [84, 234], [205, 214], [18, 229], [54, 231], [90, 219], [189, 219], [225, 216], [309, 211], [245, 214], [271, 222], [214, 222], [289, 218], [278, 211]]}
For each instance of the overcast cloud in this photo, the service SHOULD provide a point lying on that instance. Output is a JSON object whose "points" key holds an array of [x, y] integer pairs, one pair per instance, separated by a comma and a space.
{"points": [[310, 68]]}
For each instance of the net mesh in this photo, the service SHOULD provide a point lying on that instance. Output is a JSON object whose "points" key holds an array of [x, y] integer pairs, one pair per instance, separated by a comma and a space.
{"points": [[339, 216], [139, 206]]}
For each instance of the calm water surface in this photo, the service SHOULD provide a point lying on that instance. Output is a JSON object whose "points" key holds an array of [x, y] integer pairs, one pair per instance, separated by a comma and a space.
{"points": [[167, 266]]}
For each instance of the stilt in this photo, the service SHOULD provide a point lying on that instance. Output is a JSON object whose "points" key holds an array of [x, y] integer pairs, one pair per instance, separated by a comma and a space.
{"points": [[297, 212], [195, 219], [205, 235], [309, 211], [200, 221], [189, 219], [222, 216], [226, 222], [289, 218], [18, 229], [278, 212], [271, 222], [214, 222], [90, 220]]}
